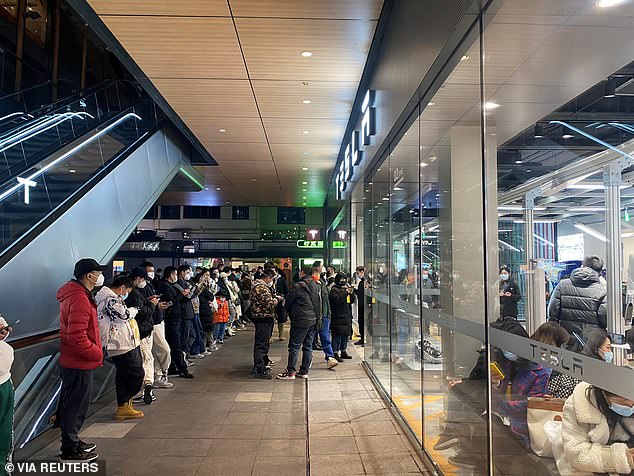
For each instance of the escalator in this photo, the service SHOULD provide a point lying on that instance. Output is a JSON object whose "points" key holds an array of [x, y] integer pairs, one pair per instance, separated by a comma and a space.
{"points": [[74, 182]]}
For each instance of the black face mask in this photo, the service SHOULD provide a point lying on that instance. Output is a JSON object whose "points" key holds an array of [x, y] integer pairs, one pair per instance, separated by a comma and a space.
{"points": [[343, 283]]}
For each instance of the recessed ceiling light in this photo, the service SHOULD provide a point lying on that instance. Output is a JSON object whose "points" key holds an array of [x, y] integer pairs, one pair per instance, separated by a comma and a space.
{"points": [[304, 190], [304, 168], [227, 202], [306, 101], [222, 130], [465, 58], [304, 183], [218, 189], [430, 103], [304, 198], [253, 180], [489, 106], [424, 164], [72, 171], [518, 161], [306, 54], [609, 3], [206, 188], [305, 132], [567, 136], [385, 198]]}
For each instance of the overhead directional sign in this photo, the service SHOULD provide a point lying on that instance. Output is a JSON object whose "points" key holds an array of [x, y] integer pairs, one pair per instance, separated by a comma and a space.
{"points": [[310, 244]]}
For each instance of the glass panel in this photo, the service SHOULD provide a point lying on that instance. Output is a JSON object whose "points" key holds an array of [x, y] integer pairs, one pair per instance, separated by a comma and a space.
{"points": [[454, 398], [382, 275], [405, 295]]}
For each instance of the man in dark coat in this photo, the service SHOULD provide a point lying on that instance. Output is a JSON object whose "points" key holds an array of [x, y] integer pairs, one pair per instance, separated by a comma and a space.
{"points": [[341, 297], [281, 289], [579, 303], [303, 306]]}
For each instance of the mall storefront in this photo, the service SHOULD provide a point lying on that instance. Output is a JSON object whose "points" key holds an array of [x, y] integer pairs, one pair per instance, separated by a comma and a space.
{"points": [[482, 138]]}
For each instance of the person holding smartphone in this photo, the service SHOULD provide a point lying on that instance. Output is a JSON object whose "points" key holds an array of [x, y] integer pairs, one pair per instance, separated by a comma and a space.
{"points": [[7, 396]]}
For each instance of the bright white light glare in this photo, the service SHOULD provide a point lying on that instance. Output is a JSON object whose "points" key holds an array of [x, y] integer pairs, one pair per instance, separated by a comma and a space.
{"points": [[306, 54], [567, 136], [465, 58], [435, 227], [587, 209], [489, 106], [222, 130], [590, 231], [590, 186], [305, 132], [304, 168], [506, 245], [424, 164], [306, 101], [543, 240], [431, 103], [609, 3], [627, 235]]}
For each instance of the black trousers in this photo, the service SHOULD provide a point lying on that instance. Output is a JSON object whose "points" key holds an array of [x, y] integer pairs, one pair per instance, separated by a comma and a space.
{"points": [[129, 376], [361, 319], [73, 404], [173, 338], [263, 331]]}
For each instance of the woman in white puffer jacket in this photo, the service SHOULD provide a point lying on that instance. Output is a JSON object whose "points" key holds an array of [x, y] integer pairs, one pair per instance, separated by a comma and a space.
{"points": [[598, 430]]}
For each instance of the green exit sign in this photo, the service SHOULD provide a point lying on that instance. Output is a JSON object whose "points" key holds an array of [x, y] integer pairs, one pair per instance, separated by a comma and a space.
{"points": [[339, 244], [309, 244]]}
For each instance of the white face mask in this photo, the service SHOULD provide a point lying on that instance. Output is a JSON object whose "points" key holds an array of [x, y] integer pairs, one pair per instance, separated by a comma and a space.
{"points": [[188, 276], [142, 284], [151, 275], [99, 282]]}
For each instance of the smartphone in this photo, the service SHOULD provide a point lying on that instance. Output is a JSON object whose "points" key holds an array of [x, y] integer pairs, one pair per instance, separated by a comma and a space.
{"points": [[11, 324], [618, 339], [496, 371]]}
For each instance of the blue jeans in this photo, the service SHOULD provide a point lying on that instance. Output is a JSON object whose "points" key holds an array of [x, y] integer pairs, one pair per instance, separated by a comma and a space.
{"points": [[324, 336], [339, 342], [187, 335], [198, 347], [300, 337], [219, 331]]}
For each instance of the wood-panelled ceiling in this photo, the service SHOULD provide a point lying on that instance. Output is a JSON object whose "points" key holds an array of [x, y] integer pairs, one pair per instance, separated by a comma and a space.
{"points": [[232, 70]]}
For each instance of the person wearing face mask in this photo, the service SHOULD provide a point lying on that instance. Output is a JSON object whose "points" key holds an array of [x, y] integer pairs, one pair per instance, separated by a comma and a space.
{"points": [[121, 340], [144, 318], [80, 355], [598, 432], [184, 301], [263, 302], [160, 347], [341, 297], [509, 294], [170, 295]]}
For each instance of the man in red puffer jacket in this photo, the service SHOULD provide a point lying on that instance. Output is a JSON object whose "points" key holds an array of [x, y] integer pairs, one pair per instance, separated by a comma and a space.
{"points": [[80, 355]]}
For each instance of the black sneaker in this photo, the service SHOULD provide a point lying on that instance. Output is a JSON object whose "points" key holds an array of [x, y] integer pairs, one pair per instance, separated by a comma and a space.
{"points": [[463, 461], [345, 355], [264, 375], [286, 375], [88, 447], [77, 454], [147, 394], [446, 441], [186, 374], [359, 342], [337, 358]]}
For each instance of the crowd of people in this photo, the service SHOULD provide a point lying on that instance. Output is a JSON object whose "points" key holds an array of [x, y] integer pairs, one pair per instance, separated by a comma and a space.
{"points": [[153, 325]]}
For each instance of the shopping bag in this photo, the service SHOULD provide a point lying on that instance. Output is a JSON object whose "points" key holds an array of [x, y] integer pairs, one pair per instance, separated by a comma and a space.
{"points": [[540, 411]]}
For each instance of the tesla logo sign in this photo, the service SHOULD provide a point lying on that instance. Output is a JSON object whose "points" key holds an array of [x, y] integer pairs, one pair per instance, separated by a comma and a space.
{"points": [[354, 154], [27, 184]]}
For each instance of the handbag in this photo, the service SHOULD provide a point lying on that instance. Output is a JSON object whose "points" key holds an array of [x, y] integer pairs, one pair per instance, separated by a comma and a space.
{"points": [[542, 410]]}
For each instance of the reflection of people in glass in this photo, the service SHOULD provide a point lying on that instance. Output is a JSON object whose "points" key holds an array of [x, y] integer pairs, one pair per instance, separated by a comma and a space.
{"points": [[598, 432], [509, 293], [597, 346], [579, 302], [531, 380], [426, 284]]}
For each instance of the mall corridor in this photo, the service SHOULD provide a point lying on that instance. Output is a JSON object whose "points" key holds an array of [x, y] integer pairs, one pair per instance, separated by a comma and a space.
{"points": [[226, 422]]}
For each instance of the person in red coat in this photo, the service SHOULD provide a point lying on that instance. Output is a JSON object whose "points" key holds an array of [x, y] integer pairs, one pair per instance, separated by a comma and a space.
{"points": [[80, 355]]}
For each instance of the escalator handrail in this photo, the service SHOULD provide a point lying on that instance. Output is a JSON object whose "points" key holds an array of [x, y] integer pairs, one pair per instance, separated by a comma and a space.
{"points": [[65, 102], [47, 152], [14, 248]]}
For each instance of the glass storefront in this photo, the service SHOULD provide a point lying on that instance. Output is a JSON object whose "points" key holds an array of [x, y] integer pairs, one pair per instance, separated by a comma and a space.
{"points": [[473, 228]]}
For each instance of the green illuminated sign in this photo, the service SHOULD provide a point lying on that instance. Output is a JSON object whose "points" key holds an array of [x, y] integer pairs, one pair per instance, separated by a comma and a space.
{"points": [[309, 244], [339, 244]]}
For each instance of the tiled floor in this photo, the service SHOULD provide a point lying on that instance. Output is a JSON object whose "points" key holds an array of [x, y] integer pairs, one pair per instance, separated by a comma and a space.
{"points": [[225, 422]]}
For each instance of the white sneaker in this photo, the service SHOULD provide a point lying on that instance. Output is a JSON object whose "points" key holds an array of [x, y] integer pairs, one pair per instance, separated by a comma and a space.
{"points": [[206, 353], [197, 356], [162, 383]]}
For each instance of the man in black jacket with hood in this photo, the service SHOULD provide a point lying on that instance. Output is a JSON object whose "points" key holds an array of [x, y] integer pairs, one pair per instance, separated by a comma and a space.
{"points": [[579, 303], [303, 306]]}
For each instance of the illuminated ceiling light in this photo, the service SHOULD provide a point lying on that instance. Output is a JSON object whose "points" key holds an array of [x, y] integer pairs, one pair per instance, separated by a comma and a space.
{"points": [[206, 188], [539, 131], [304, 183], [518, 161], [424, 164], [610, 88], [304, 168], [305, 132], [304, 190], [591, 232], [306, 54], [253, 180], [227, 202], [222, 130], [489, 106], [609, 3], [72, 171], [567, 136], [218, 189], [304, 198], [465, 58], [385, 199], [430, 103], [306, 101]]}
